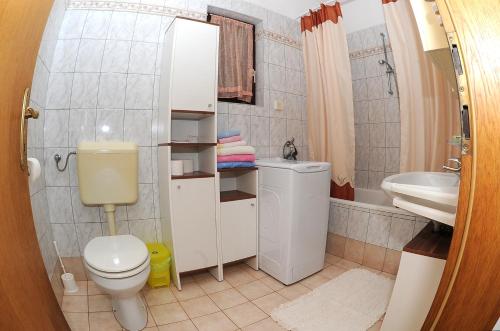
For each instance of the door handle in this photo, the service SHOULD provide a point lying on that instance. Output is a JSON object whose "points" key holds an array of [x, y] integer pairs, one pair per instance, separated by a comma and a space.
{"points": [[26, 113]]}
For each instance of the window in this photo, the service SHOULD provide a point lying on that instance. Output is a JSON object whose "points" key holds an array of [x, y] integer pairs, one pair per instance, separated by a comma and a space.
{"points": [[236, 60]]}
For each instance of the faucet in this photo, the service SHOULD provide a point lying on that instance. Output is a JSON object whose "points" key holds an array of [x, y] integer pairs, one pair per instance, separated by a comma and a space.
{"points": [[454, 160], [289, 150]]}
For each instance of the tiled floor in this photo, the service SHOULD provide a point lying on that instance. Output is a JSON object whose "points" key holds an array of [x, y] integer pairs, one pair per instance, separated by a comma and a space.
{"points": [[243, 301]]}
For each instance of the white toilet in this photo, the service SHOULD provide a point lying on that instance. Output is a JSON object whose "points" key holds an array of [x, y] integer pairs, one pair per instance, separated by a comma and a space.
{"points": [[119, 265]]}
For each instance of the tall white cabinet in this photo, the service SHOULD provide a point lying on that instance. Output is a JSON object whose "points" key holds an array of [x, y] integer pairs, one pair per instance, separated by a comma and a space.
{"points": [[207, 218]]}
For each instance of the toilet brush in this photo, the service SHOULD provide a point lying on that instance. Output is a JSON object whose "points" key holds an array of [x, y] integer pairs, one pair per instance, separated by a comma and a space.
{"points": [[67, 278]]}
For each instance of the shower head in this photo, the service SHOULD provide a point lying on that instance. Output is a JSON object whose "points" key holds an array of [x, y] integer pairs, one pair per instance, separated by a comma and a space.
{"points": [[389, 67]]}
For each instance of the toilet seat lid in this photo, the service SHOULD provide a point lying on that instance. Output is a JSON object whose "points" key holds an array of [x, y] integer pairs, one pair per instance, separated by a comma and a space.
{"points": [[115, 253]]}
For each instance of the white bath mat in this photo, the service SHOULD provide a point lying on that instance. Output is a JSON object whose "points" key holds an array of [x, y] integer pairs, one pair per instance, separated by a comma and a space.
{"points": [[355, 300]]}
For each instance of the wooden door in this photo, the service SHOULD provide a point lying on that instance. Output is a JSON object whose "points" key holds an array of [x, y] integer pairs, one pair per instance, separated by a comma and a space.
{"points": [[26, 297], [468, 297], [193, 222], [194, 67]]}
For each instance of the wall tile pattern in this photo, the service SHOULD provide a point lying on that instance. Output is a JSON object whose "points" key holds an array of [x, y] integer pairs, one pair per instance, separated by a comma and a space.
{"points": [[373, 226], [38, 193], [371, 236], [103, 84], [376, 112]]}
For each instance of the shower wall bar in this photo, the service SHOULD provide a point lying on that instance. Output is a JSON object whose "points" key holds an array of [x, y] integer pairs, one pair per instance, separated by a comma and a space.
{"points": [[389, 70]]}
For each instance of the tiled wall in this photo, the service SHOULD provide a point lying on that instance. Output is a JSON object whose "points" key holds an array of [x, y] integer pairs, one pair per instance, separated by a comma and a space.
{"points": [[104, 85], [371, 235], [37, 188], [376, 112], [280, 77], [101, 87]]}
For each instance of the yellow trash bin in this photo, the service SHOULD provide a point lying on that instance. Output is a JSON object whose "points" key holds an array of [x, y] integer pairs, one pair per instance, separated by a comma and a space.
{"points": [[160, 265]]}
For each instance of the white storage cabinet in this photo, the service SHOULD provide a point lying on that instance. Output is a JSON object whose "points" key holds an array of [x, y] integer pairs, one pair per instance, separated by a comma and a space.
{"points": [[206, 221], [239, 215], [187, 130]]}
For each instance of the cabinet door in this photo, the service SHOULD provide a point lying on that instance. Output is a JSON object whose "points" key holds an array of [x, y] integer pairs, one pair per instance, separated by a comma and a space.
{"points": [[193, 223], [239, 229], [413, 292], [194, 66]]}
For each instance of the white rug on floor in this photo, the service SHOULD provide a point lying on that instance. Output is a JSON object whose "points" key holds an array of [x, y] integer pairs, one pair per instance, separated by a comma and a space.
{"points": [[355, 300]]}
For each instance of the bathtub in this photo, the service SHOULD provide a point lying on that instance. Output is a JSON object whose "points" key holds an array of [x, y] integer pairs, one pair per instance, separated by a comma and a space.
{"points": [[372, 197], [372, 219], [373, 200]]}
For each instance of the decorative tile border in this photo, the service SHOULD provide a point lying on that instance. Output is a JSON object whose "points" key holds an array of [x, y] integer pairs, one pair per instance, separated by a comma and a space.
{"points": [[278, 38], [369, 52], [167, 11], [134, 7], [171, 11]]}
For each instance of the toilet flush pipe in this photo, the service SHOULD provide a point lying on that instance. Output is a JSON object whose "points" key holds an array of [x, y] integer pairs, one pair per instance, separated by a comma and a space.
{"points": [[110, 215]]}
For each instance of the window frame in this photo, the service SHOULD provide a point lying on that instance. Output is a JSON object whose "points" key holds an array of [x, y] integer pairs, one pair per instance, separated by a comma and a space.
{"points": [[254, 84]]}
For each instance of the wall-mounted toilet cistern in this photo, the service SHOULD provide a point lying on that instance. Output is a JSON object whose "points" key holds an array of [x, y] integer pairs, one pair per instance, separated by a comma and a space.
{"points": [[108, 175], [118, 264]]}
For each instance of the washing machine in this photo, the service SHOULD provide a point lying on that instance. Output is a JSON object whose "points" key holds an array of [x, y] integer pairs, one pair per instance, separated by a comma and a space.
{"points": [[294, 204]]}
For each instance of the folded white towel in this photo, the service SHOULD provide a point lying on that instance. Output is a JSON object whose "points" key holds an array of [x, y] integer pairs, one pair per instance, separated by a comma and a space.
{"points": [[233, 144], [236, 150]]}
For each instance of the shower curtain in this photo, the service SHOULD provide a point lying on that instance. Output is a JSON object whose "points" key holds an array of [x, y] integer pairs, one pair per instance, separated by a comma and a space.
{"points": [[428, 104], [329, 96]]}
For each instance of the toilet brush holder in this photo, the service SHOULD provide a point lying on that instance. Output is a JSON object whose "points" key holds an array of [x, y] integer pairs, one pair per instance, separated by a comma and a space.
{"points": [[69, 283]]}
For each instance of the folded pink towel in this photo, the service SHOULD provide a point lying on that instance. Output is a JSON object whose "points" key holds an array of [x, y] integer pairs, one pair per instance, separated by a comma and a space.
{"points": [[229, 139], [236, 158]]}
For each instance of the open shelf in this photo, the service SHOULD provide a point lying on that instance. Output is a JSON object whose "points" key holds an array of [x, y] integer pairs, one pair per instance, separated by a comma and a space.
{"points": [[182, 114], [234, 195], [237, 169], [430, 243], [195, 174], [188, 144]]}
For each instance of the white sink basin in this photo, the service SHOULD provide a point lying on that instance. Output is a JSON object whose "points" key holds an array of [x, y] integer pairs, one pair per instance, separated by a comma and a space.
{"points": [[430, 194]]}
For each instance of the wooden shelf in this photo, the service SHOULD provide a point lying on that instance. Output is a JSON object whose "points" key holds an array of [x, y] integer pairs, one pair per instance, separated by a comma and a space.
{"points": [[181, 114], [182, 144], [226, 196], [237, 169], [430, 243], [195, 174]]}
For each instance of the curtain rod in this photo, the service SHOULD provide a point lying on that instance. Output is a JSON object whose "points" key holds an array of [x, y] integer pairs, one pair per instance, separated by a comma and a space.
{"points": [[343, 2]]}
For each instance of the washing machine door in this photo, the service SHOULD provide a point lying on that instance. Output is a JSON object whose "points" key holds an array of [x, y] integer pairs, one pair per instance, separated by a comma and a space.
{"points": [[269, 239], [309, 218], [274, 228]]}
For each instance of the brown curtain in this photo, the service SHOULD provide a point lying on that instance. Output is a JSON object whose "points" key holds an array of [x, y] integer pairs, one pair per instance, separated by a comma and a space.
{"points": [[428, 101], [330, 112], [235, 59]]}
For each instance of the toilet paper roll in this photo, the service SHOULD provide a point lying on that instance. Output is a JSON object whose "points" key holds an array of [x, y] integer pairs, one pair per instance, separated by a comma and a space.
{"points": [[177, 168], [188, 166], [34, 169]]}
